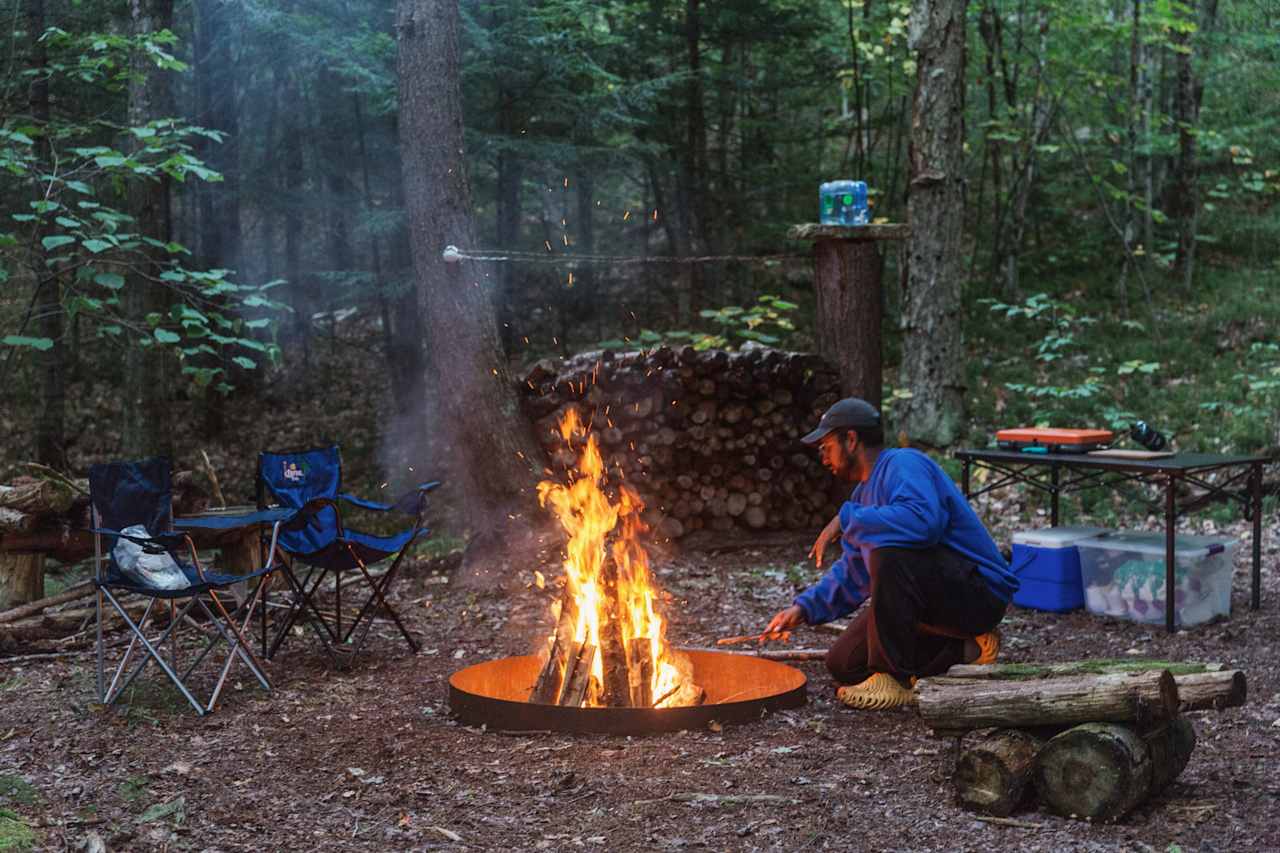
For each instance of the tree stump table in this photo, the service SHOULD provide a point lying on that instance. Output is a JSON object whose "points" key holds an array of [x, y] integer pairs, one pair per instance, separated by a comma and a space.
{"points": [[848, 267]]}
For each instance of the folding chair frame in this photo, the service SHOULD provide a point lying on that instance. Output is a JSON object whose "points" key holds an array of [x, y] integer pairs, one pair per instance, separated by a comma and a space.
{"points": [[304, 592], [227, 629]]}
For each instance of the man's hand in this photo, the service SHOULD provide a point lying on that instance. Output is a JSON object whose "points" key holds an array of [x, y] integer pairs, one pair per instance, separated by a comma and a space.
{"points": [[825, 538], [785, 620]]}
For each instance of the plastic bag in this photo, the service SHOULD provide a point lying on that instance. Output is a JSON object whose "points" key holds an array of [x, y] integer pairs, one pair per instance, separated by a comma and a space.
{"points": [[158, 571]]}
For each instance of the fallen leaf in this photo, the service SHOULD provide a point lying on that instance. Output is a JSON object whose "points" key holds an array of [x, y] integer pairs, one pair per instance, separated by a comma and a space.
{"points": [[447, 833], [715, 726], [182, 768], [177, 808]]}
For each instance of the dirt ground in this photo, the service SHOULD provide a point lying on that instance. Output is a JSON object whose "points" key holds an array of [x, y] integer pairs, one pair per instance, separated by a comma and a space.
{"points": [[370, 759]]}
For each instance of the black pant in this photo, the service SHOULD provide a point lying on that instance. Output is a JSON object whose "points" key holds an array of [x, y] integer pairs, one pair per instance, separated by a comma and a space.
{"points": [[924, 602]]}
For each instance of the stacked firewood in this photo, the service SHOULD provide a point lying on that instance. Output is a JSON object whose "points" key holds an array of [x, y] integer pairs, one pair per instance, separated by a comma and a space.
{"points": [[709, 439], [1090, 739]]}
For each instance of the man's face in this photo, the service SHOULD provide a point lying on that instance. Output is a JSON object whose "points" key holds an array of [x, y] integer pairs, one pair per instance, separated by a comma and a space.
{"points": [[837, 452]]}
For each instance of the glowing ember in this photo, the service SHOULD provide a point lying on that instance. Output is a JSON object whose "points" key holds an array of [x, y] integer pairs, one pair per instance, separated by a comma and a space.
{"points": [[610, 646]]}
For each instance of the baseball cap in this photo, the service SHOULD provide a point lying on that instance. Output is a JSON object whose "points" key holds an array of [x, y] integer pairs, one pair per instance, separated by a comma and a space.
{"points": [[849, 413]]}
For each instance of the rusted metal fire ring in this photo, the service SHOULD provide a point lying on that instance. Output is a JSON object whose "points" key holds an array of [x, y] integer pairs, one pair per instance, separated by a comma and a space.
{"points": [[740, 688]]}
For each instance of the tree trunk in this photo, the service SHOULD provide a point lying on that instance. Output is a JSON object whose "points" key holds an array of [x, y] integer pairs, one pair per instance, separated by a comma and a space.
{"points": [[21, 579], [51, 421], [1100, 771], [495, 457], [933, 356], [1184, 204], [955, 704], [994, 773], [291, 144], [219, 203], [145, 428]]}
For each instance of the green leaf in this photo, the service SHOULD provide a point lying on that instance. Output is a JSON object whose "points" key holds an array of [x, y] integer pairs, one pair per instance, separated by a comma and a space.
{"points": [[115, 281], [165, 336], [67, 222], [80, 187], [51, 243], [246, 363], [41, 344], [97, 246], [177, 808], [106, 161]]}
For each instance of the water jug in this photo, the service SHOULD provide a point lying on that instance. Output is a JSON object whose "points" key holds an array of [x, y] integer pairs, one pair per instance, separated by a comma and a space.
{"points": [[843, 203]]}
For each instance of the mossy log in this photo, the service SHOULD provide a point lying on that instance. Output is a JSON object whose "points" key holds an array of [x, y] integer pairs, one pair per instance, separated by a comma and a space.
{"points": [[1201, 686], [959, 704], [994, 772], [1101, 771]]}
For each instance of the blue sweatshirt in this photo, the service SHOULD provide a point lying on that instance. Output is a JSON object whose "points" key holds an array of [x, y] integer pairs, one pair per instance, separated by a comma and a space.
{"points": [[907, 502]]}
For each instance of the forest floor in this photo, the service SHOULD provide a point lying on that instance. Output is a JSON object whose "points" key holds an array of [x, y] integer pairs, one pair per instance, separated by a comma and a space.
{"points": [[370, 758]]}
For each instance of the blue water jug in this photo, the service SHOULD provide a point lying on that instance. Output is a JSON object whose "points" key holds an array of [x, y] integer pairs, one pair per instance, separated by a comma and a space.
{"points": [[843, 203]]}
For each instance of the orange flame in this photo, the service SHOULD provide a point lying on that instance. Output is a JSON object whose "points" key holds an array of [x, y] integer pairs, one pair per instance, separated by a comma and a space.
{"points": [[589, 517]]}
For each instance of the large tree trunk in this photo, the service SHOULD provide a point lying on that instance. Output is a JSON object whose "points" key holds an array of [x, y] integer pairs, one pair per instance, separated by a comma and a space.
{"points": [[219, 203], [146, 422], [933, 351], [1184, 203], [51, 422], [494, 455]]}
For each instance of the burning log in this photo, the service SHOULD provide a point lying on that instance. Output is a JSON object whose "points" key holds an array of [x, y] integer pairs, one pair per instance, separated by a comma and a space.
{"points": [[640, 669], [578, 679]]}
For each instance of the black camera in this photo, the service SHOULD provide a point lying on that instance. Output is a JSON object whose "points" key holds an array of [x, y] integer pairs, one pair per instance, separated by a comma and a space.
{"points": [[1149, 438]]}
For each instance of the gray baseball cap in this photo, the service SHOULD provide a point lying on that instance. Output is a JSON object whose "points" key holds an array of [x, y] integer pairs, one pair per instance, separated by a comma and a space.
{"points": [[849, 413]]}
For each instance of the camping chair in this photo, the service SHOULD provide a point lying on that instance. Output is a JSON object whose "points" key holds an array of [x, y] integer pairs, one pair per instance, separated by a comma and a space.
{"points": [[126, 494], [310, 481]]}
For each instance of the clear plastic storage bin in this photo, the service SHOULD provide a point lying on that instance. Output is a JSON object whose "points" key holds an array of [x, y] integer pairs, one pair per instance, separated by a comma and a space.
{"points": [[1124, 575]]}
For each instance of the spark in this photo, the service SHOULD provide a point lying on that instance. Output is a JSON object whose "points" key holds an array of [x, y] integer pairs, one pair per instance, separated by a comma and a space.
{"points": [[626, 216], [547, 243]]}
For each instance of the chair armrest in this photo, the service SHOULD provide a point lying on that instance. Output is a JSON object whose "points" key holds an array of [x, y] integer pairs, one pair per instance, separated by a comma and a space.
{"points": [[407, 503], [155, 543]]}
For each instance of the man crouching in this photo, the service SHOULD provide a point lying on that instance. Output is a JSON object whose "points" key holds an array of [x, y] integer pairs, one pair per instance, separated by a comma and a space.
{"points": [[910, 543]]}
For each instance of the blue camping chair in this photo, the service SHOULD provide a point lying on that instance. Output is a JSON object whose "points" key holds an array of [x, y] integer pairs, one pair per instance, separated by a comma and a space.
{"points": [[310, 481], [132, 494]]}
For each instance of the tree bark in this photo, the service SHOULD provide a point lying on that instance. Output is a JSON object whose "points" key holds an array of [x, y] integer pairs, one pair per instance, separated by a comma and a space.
{"points": [[994, 773], [1184, 204], [146, 424], [493, 448], [954, 704], [933, 355], [849, 314], [1100, 771], [21, 579]]}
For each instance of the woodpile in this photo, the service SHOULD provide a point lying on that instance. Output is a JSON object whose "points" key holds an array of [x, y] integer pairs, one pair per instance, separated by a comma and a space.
{"points": [[709, 439], [1091, 739]]}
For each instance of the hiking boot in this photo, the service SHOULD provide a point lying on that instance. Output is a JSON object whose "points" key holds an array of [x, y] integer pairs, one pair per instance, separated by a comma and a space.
{"points": [[880, 692], [983, 649]]}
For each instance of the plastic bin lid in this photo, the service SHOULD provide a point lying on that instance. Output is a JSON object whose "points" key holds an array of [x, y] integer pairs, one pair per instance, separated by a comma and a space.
{"points": [[1185, 545], [1056, 537]]}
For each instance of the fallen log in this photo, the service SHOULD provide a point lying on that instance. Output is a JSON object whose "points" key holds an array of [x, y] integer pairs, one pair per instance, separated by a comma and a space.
{"points": [[1201, 686], [958, 704], [74, 593], [994, 773], [1101, 771]]}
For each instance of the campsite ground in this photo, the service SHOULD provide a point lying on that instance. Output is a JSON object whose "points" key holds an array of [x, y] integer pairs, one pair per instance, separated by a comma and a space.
{"points": [[369, 759]]}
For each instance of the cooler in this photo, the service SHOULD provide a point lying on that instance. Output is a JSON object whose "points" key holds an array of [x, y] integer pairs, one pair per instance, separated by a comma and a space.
{"points": [[1123, 575], [1048, 567]]}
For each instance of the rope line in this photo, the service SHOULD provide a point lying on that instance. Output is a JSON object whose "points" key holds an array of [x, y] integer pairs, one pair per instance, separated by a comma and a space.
{"points": [[453, 254]]}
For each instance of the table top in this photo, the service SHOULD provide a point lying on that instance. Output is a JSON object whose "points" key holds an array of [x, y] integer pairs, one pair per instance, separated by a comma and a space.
{"points": [[1179, 462]]}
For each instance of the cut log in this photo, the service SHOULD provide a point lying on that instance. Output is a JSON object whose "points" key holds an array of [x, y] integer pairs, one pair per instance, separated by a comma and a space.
{"points": [[41, 497], [16, 521], [1201, 686], [578, 679], [556, 669], [1102, 771], [616, 689], [21, 579], [958, 704], [994, 773]]}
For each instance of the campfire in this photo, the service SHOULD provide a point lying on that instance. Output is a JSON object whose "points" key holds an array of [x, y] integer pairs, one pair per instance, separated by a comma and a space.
{"points": [[609, 647]]}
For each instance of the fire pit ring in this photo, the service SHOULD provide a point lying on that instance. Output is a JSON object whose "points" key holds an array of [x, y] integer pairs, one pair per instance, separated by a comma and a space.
{"points": [[740, 689]]}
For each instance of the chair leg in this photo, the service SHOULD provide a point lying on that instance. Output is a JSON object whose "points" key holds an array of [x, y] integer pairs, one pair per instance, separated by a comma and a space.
{"points": [[377, 594], [303, 601], [153, 653]]}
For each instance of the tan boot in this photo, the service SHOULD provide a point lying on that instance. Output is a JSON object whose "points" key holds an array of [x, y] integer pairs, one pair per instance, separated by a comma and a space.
{"points": [[983, 649], [880, 692]]}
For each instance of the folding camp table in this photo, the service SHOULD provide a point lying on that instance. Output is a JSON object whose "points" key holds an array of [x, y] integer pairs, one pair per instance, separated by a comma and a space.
{"points": [[1059, 473]]}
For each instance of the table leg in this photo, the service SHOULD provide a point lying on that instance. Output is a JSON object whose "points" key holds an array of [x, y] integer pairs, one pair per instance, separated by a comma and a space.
{"points": [[1255, 490], [1170, 531], [1053, 495]]}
